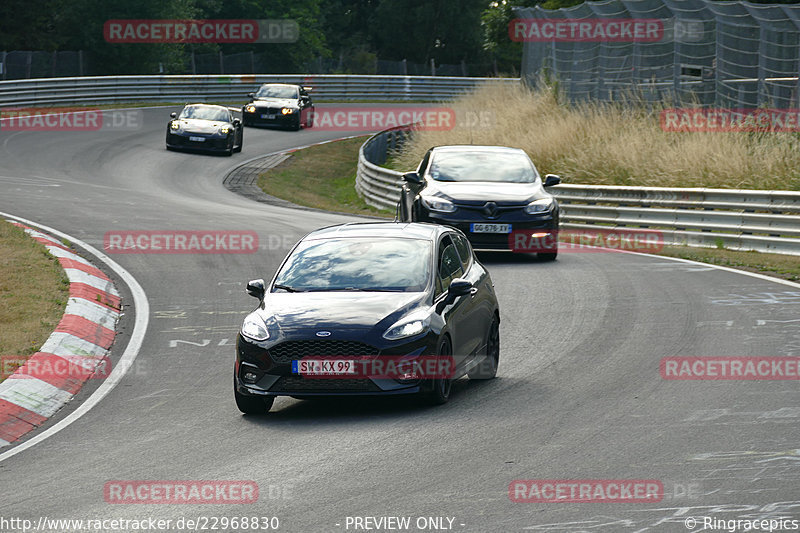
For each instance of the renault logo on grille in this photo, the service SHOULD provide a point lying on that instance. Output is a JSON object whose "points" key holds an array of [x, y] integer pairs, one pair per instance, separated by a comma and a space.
{"points": [[323, 334], [490, 209]]}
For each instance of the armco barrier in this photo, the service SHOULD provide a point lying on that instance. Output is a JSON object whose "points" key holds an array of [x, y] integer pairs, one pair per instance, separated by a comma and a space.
{"points": [[765, 221], [210, 88]]}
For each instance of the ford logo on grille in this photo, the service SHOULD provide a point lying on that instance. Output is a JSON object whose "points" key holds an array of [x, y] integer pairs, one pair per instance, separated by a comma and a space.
{"points": [[323, 334]]}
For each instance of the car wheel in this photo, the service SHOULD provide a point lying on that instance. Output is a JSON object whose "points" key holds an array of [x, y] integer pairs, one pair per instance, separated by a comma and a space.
{"points": [[310, 119], [241, 142], [252, 405], [441, 386], [547, 256], [487, 369], [229, 152], [296, 125]]}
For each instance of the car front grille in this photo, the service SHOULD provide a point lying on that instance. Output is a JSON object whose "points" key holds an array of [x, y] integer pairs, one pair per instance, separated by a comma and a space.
{"points": [[298, 384], [289, 351], [210, 142]]}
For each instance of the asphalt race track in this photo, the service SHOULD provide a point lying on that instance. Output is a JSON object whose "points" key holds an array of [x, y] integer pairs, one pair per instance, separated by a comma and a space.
{"points": [[578, 394]]}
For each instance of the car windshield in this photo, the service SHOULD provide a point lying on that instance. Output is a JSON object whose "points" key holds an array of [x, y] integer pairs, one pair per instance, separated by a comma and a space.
{"points": [[277, 91], [513, 167], [205, 113], [358, 264]]}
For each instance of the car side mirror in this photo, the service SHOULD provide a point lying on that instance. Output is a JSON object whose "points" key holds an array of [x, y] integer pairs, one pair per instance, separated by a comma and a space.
{"points": [[413, 178], [173, 115], [251, 96], [236, 122], [255, 288], [551, 179], [458, 287]]}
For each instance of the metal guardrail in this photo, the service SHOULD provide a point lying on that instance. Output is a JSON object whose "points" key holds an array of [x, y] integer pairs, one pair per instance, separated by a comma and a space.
{"points": [[120, 89], [765, 221]]}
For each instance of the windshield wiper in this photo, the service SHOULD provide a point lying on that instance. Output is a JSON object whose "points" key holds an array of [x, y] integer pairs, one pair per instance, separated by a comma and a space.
{"points": [[287, 288]]}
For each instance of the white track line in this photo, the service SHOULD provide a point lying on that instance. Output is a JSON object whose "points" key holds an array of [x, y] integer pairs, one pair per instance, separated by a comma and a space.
{"points": [[719, 267], [142, 308]]}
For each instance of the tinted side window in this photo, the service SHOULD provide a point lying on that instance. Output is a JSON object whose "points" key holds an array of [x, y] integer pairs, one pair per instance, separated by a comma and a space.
{"points": [[423, 166], [464, 251], [449, 267]]}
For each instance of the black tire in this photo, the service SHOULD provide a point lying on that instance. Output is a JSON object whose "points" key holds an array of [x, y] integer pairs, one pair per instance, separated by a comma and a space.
{"points": [[296, 125], [241, 143], [252, 405], [547, 256], [310, 120], [441, 386], [487, 369]]}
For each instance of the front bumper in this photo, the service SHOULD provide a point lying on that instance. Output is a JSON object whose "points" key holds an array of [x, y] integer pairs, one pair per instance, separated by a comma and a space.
{"points": [[272, 365], [183, 141], [463, 220], [269, 117]]}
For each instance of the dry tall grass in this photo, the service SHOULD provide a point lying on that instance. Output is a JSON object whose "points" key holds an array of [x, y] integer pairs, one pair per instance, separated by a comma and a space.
{"points": [[615, 145]]}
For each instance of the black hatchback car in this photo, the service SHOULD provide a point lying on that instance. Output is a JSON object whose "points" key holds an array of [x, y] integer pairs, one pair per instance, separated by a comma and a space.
{"points": [[280, 104], [369, 309], [491, 193], [207, 128]]}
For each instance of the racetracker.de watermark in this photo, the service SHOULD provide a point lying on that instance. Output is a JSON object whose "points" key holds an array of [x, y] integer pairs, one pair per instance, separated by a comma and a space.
{"points": [[69, 119], [730, 368], [718, 120], [50, 367], [201, 31], [586, 30], [369, 118], [179, 492], [585, 240], [585, 490], [180, 242]]}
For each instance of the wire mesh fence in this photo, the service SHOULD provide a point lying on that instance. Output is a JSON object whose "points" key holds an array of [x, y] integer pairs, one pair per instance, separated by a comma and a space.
{"points": [[724, 54], [36, 64]]}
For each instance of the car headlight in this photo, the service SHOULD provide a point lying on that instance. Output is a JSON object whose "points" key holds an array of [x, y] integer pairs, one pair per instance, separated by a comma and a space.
{"points": [[438, 204], [539, 206], [408, 326], [287, 110], [250, 109], [225, 129], [254, 328], [175, 125]]}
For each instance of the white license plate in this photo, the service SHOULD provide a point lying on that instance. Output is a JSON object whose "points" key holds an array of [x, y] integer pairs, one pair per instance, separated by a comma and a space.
{"points": [[268, 117], [198, 139], [490, 228], [326, 367]]}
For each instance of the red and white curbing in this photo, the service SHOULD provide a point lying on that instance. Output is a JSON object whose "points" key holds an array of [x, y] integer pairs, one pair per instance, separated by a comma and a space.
{"points": [[82, 338]]}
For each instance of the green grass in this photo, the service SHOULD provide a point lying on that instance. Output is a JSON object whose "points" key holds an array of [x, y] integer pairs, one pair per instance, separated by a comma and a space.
{"points": [[33, 294], [321, 176]]}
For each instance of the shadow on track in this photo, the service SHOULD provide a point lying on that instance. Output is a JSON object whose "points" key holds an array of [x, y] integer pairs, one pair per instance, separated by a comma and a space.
{"points": [[338, 410]]}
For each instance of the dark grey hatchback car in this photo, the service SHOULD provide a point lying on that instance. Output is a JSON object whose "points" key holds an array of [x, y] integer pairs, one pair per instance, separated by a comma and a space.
{"points": [[364, 296], [493, 194]]}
